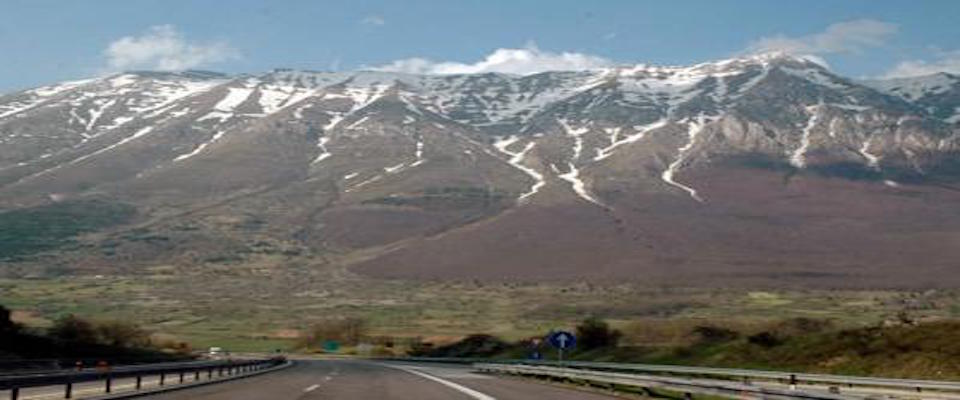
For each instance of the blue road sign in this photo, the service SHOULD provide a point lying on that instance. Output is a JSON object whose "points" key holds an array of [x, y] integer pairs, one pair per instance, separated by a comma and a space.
{"points": [[562, 340], [331, 346]]}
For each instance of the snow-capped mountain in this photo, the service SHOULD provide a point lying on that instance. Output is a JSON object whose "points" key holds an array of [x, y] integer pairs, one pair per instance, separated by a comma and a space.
{"points": [[636, 160], [937, 94]]}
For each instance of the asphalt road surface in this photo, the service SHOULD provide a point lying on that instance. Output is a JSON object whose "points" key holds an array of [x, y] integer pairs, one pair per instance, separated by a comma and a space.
{"points": [[359, 380]]}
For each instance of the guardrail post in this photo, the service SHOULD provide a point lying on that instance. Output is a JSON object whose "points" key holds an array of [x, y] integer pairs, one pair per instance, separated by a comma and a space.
{"points": [[14, 393], [107, 384], [139, 382], [919, 389], [163, 377], [210, 373], [181, 377], [196, 375], [68, 391]]}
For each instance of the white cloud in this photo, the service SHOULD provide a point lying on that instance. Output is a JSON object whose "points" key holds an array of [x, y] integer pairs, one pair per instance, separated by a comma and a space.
{"points": [[945, 61], [525, 61], [844, 37], [373, 20], [163, 48]]}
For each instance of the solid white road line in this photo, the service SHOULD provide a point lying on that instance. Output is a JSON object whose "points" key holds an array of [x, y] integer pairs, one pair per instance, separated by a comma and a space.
{"points": [[311, 388], [458, 387]]}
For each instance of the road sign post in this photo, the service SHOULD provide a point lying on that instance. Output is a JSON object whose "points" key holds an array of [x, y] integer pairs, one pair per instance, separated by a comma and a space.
{"points": [[331, 346], [562, 341]]}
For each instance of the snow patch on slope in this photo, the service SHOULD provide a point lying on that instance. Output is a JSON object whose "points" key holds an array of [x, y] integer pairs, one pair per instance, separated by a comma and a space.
{"points": [[641, 132], [324, 153], [573, 176], [516, 160], [873, 160], [694, 128], [394, 169], [38, 97], [418, 154], [96, 112], [955, 118], [200, 148], [224, 109], [576, 134], [798, 159]]}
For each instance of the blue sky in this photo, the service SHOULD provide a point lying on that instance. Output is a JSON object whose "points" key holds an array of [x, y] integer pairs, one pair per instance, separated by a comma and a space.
{"points": [[45, 41]]}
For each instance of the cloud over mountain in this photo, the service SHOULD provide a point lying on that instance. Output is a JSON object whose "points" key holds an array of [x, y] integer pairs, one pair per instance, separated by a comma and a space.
{"points": [[944, 61], [523, 61], [843, 37], [163, 48]]}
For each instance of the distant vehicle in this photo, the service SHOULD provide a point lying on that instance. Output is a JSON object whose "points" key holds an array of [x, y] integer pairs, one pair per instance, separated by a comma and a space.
{"points": [[216, 352]]}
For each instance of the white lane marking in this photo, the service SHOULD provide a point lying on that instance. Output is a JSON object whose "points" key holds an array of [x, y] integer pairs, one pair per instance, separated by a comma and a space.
{"points": [[458, 387], [311, 388]]}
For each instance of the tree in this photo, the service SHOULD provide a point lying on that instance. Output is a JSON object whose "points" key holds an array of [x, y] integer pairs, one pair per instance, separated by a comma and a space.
{"points": [[6, 323], [71, 328], [595, 333], [349, 331], [122, 334]]}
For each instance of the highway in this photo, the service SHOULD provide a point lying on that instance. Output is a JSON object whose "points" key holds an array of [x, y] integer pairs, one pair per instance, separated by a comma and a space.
{"points": [[358, 380]]}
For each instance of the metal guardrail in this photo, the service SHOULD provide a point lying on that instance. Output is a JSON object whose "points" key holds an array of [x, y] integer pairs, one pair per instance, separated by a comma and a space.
{"points": [[914, 385], [68, 378], [917, 385], [38, 367], [25, 366], [686, 386]]}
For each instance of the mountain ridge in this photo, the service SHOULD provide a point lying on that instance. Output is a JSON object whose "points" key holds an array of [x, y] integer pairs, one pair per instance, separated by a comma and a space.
{"points": [[637, 159]]}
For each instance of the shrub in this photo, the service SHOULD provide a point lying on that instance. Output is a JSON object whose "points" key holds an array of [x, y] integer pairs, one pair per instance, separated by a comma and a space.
{"points": [[595, 333], [348, 331], [803, 326], [121, 334], [73, 329], [714, 334], [472, 346], [765, 339]]}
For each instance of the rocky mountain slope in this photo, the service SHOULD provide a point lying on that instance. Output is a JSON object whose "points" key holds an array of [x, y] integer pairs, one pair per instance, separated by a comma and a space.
{"points": [[767, 169]]}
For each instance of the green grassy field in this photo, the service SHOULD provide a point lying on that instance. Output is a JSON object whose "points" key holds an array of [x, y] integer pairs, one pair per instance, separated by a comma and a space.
{"points": [[233, 288], [24, 232], [262, 310]]}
